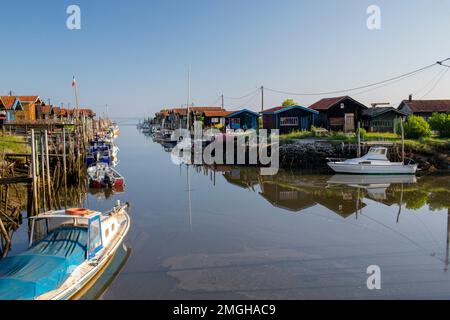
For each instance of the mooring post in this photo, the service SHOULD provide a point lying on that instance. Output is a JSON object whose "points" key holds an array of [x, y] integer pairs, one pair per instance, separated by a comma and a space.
{"points": [[403, 140], [65, 166], [41, 148], [47, 165], [359, 140], [33, 172]]}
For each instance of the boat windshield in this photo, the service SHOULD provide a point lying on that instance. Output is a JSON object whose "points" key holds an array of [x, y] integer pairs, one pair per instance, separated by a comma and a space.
{"points": [[378, 151], [45, 226]]}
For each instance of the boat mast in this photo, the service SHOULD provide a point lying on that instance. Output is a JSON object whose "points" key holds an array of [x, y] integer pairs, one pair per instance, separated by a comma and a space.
{"points": [[188, 97]]}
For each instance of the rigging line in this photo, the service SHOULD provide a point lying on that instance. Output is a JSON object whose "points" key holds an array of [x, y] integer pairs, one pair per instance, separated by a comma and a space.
{"points": [[435, 85], [361, 87], [244, 96]]}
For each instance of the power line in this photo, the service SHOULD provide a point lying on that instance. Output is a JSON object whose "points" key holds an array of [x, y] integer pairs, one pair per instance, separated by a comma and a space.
{"points": [[387, 84], [435, 85], [439, 73], [242, 97], [249, 100], [396, 78]]}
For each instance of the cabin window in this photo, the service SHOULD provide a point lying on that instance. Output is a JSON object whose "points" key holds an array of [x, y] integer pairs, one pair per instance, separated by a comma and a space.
{"points": [[107, 233], [289, 121], [288, 195], [112, 227], [95, 238]]}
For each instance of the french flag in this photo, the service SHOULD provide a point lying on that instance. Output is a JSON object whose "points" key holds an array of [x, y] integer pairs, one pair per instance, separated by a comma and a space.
{"points": [[74, 82]]}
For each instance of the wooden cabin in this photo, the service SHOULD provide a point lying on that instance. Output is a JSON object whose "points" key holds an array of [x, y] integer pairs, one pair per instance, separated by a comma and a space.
{"points": [[29, 104], [44, 112], [382, 119], [242, 119], [162, 118], [178, 118], [215, 118], [288, 119], [198, 113], [9, 105], [339, 113], [424, 108]]}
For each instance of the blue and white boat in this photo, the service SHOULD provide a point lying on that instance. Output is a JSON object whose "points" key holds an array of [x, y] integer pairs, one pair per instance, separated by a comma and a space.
{"points": [[69, 250]]}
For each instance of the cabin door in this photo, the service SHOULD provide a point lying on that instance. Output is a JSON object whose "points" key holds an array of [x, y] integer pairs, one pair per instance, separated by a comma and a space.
{"points": [[304, 121], [349, 122]]}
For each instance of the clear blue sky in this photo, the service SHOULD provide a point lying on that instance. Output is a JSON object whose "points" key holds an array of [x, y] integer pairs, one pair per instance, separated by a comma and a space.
{"points": [[133, 55]]}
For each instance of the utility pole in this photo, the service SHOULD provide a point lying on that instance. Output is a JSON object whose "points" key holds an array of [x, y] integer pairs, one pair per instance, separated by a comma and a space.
{"points": [[262, 98], [223, 103]]}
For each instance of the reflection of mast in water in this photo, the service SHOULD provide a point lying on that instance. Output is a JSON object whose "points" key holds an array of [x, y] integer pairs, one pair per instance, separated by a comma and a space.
{"points": [[189, 196], [400, 205], [448, 241]]}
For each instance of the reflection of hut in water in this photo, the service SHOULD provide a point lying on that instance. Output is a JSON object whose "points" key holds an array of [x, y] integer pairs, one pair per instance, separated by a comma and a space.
{"points": [[286, 198], [343, 201], [245, 178]]}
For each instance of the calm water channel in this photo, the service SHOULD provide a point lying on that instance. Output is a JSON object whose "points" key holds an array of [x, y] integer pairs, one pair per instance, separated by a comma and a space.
{"points": [[236, 234]]}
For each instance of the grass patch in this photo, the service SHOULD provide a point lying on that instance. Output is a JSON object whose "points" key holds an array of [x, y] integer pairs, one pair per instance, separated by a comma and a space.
{"points": [[296, 135], [13, 144]]}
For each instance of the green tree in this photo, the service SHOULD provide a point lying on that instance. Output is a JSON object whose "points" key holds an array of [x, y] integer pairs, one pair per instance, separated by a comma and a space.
{"points": [[289, 103], [415, 128], [440, 122]]}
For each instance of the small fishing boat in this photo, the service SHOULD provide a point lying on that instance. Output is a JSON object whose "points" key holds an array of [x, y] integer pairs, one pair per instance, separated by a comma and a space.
{"points": [[69, 251], [102, 175], [100, 157], [374, 162]]}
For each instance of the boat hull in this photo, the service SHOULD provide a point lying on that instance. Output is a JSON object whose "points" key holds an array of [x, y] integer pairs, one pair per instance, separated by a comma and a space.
{"points": [[371, 169], [96, 184]]}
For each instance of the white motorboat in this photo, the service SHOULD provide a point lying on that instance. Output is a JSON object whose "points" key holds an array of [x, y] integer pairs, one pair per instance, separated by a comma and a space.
{"points": [[374, 162]]}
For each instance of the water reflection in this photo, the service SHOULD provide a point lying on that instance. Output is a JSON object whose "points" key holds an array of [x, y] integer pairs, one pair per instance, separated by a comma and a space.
{"points": [[343, 194]]}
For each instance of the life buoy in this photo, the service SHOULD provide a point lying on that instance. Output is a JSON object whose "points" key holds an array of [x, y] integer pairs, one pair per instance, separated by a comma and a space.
{"points": [[77, 212]]}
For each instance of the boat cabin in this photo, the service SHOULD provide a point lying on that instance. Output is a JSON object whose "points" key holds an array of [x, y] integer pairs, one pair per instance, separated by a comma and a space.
{"points": [[83, 233], [376, 153]]}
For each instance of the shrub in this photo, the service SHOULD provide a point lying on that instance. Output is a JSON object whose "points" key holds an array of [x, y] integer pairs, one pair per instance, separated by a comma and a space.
{"points": [[363, 133], [440, 122], [416, 127]]}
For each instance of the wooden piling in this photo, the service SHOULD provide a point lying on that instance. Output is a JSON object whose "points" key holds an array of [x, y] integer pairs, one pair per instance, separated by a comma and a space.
{"points": [[403, 139], [33, 174], [42, 177], [47, 166], [65, 166]]}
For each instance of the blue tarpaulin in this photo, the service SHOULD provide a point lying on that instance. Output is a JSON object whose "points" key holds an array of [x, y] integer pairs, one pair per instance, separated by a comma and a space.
{"points": [[45, 266]]}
